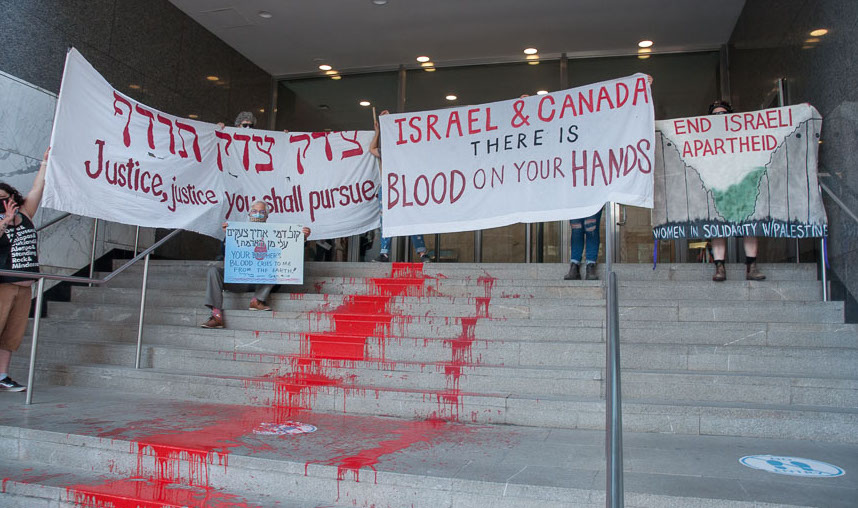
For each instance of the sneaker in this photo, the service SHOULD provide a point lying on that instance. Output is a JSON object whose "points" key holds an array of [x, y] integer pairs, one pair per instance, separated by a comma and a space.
{"points": [[720, 273], [213, 322], [591, 272], [258, 305], [424, 258], [9, 385], [574, 272], [753, 273], [382, 258]]}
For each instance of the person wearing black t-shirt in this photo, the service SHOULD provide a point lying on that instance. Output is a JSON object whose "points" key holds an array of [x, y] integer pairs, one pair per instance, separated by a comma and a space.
{"points": [[18, 251]]}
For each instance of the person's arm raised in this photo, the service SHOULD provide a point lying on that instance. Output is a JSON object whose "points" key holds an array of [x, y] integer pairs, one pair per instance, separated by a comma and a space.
{"points": [[31, 203]]}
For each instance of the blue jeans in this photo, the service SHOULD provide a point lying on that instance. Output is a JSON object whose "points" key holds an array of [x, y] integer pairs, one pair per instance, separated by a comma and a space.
{"points": [[416, 240], [585, 228]]}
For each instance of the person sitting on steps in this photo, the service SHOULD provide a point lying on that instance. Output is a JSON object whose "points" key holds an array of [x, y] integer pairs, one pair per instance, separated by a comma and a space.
{"points": [[215, 285]]}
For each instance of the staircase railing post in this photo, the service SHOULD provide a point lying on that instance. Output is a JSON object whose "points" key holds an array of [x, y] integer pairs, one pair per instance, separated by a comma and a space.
{"points": [[142, 312], [613, 400], [37, 318], [822, 255]]}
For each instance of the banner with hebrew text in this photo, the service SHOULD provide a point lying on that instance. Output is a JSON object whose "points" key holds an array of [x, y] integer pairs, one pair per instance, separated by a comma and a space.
{"points": [[556, 156], [741, 174], [117, 159]]}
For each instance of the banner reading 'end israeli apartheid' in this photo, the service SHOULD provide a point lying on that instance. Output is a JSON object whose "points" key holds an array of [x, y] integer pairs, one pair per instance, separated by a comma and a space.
{"points": [[743, 174], [539, 158]]}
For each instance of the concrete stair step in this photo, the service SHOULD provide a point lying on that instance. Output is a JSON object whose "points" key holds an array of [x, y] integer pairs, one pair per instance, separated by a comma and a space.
{"points": [[431, 376], [372, 461], [828, 424], [516, 271], [446, 315], [704, 384], [28, 484]]}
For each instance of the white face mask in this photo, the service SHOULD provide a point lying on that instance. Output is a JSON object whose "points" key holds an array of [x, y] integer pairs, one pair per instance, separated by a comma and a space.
{"points": [[257, 216]]}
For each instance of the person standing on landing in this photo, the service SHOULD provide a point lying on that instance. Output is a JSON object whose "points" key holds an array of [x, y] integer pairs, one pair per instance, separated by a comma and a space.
{"points": [[719, 245], [215, 285], [417, 240], [18, 251]]}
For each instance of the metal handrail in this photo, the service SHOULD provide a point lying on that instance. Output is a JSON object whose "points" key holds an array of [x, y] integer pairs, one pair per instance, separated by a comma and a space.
{"points": [[838, 201], [53, 221], [41, 277]]}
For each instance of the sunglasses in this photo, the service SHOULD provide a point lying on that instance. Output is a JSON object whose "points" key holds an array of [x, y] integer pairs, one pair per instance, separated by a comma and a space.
{"points": [[246, 125]]}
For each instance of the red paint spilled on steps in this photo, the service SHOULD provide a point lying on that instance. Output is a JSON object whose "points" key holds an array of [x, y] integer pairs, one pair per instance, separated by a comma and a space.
{"points": [[145, 493]]}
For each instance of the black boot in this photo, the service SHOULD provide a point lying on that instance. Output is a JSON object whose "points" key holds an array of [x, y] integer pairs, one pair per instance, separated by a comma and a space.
{"points": [[574, 272], [591, 272]]}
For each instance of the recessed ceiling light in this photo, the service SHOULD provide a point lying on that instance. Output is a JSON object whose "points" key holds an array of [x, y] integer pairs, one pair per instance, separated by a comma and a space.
{"points": [[364, 103], [645, 44], [532, 57], [531, 51], [451, 97], [265, 14], [134, 86], [332, 72], [429, 69], [643, 57], [325, 67], [533, 62], [427, 64], [644, 50], [379, 2], [422, 59], [819, 32], [542, 92], [193, 116], [212, 78], [336, 77], [262, 110]]}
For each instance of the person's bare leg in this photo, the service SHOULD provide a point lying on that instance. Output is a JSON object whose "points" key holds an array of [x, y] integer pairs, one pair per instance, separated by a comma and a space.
{"points": [[5, 359]]}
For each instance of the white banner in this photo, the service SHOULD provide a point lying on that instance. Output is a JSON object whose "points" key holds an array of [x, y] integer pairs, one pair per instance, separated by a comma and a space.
{"points": [[540, 158], [114, 158], [742, 174]]}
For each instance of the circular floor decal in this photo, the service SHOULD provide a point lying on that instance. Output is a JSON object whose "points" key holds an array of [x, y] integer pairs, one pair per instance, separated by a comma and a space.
{"points": [[793, 466], [284, 429]]}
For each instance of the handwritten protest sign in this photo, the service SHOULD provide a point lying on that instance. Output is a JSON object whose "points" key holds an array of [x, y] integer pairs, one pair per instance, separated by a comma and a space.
{"points": [[744, 174], [117, 159], [555, 156], [264, 253]]}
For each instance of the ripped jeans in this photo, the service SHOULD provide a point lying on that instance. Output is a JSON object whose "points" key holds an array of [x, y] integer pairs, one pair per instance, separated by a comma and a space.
{"points": [[587, 228], [416, 240]]}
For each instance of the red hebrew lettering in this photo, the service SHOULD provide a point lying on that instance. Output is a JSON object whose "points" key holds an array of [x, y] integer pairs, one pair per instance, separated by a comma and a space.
{"points": [[294, 139], [183, 153], [126, 137], [354, 152], [151, 117], [328, 153], [269, 166], [245, 160], [169, 123], [228, 138]]}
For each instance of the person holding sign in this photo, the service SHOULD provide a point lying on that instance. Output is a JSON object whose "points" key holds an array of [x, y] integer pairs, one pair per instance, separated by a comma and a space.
{"points": [[18, 251], [417, 240], [719, 245], [215, 286]]}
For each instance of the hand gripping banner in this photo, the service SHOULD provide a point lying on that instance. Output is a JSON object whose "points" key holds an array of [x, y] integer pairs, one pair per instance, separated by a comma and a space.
{"points": [[540, 158], [116, 159], [742, 174]]}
